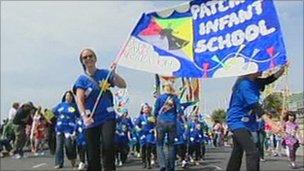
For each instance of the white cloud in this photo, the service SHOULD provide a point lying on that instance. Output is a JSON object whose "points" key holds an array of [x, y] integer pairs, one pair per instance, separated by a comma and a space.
{"points": [[236, 66], [179, 8]]}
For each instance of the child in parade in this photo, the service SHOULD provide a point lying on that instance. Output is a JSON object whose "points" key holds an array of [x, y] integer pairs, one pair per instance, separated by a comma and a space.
{"points": [[261, 134], [134, 142], [40, 135], [290, 140], [204, 129], [81, 143], [151, 140], [66, 113], [146, 125], [38, 130], [278, 147], [180, 142], [51, 134], [195, 141], [218, 134], [122, 137]]}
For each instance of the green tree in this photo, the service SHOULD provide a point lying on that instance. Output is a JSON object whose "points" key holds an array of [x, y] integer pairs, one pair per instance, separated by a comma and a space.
{"points": [[273, 102], [219, 115]]}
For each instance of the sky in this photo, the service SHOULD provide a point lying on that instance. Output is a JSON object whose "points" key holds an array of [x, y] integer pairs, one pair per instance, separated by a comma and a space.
{"points": [[41, 42]]}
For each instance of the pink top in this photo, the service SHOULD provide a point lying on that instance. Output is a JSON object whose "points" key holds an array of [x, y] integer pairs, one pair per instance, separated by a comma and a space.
{"points": [[291, 128]]}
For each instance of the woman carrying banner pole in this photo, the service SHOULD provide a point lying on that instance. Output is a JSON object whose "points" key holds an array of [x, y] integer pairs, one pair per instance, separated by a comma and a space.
{"points": [[244, 105], [95, 103]]}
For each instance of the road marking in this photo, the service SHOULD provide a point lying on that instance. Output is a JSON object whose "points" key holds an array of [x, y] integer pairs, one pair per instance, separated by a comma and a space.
{"points": [[214, 166], [39, 165]]}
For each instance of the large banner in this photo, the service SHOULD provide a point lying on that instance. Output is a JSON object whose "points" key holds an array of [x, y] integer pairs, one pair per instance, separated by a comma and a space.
{"points": [[208, 39]]}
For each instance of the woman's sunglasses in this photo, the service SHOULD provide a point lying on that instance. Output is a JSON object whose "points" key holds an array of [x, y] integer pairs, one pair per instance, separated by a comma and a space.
{"points": [[88, 57]]}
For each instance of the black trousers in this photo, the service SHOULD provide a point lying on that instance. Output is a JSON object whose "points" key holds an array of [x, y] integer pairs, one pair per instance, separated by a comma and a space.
{"points": [[195, 148], [81, 149], [203, 149], [122, 150], [181, 150], [20, 139], [70, 149], [154, 152], [146, 151], [136, 147], [6, 144], [52, 139], [261, 142], [101, 138], [242, 141]]}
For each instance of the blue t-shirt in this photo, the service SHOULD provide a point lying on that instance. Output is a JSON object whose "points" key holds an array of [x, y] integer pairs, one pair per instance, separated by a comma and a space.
{"points": [[66, 114], [146, 135], [126, 120], [134, 137], [244, 96], [121, 134], [195, 136], [104, 110], [252, 124], [171, 114]]}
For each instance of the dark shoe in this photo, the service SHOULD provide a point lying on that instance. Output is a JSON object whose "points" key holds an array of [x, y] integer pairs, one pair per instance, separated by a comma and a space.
{"points": [[73, 163], [149, 167], [144, 165]]}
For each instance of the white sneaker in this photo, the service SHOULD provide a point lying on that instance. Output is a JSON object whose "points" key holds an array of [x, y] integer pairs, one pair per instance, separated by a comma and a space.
{"points": [[293, 165], [184, 163], [81, 166], [57, 167], [138, 155], [17, 156], [119, 163], [191, 160], [11, 154], [152, 162]]}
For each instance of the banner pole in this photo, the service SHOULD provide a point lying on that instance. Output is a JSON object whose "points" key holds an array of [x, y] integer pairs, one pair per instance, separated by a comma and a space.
{"points": [[118, 57]]}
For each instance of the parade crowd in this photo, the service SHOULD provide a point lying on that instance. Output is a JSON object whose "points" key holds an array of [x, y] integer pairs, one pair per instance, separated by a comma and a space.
{"points": [[111, 137]]}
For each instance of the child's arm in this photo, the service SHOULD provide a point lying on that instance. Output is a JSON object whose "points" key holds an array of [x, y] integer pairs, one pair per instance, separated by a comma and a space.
{"points": [[129, 135], [275, 128], [297, 132]]}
